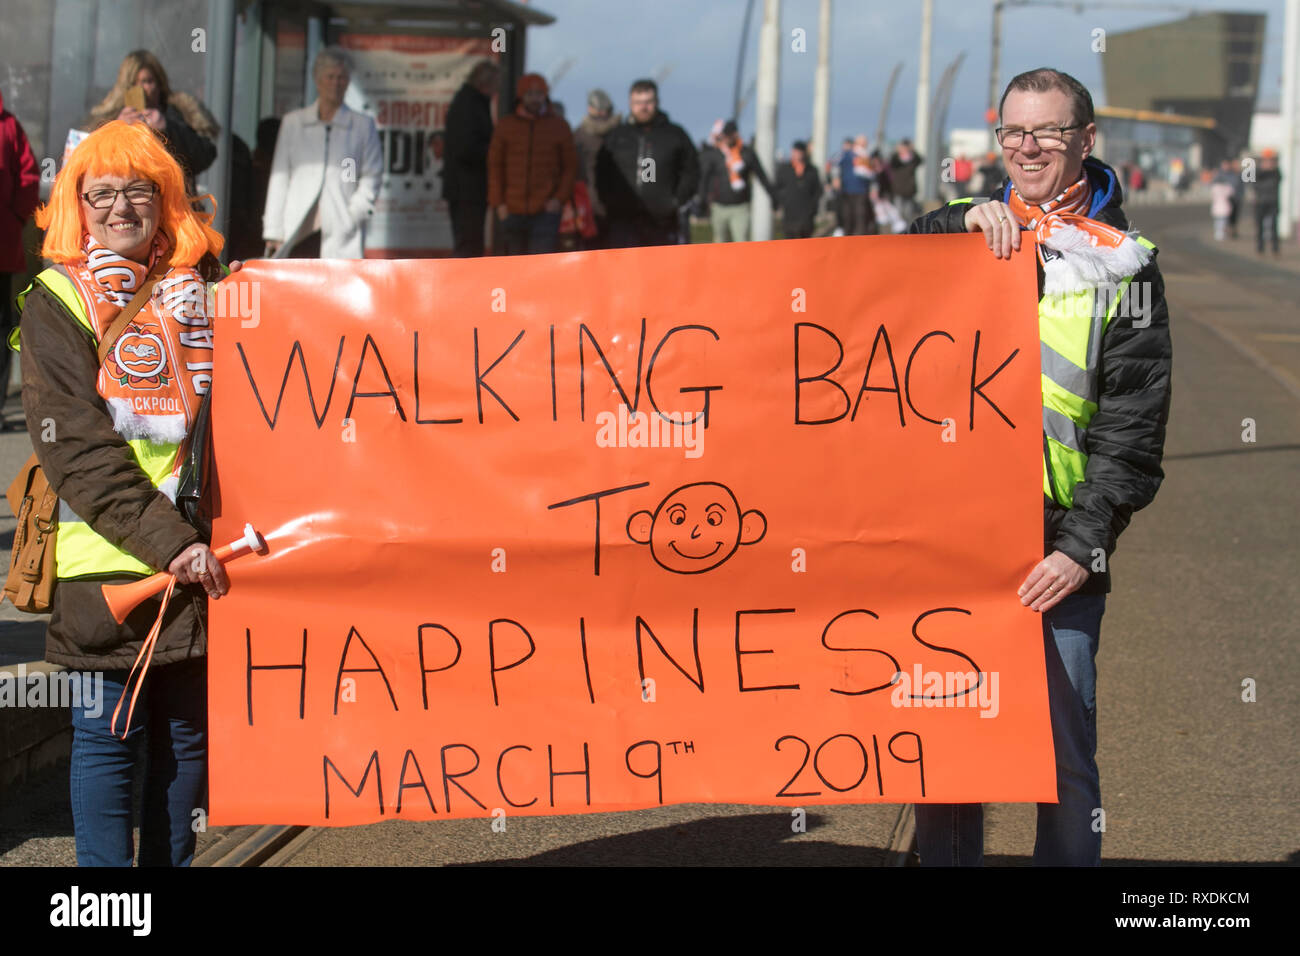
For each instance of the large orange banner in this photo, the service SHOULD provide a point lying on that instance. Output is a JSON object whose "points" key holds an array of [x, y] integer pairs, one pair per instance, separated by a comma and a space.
{"points": [[555, 534]]}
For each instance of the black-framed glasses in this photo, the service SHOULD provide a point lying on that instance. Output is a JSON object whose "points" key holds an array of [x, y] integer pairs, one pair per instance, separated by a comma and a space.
{"points": [[137, 194], [1047, 137]]}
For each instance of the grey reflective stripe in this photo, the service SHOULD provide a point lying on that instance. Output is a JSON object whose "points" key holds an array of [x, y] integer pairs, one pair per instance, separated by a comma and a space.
{"points": [[1065, 373], [66, 514], [1100, 308], [1120, 292], [1062, 428]]}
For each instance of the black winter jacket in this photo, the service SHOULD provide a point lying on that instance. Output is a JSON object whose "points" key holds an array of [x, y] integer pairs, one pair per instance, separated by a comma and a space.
{"points": [[798, 196], [903, 173], [625, 183], [1125, 438], [469, 134], [194, 151]]}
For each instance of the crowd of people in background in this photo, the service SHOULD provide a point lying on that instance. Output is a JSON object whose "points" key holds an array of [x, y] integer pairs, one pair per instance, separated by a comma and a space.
{"points": [[618, 180], [1228, 190], [526, 182]]}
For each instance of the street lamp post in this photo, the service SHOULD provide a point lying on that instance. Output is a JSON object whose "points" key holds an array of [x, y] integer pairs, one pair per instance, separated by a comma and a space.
{"points": [[922, 125], [822, 88], [1289, 160], [769, 89]]}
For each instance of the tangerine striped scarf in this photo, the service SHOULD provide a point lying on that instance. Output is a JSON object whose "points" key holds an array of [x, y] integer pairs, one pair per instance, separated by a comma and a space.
{"points": [[735, 164], [1076, 251], [161, 365]]}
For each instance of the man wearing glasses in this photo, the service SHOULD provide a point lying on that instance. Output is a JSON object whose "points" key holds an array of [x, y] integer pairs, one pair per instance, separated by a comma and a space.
{"points": [[1106, 356]]}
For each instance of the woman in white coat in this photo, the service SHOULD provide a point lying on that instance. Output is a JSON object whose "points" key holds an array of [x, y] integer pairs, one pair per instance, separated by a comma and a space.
{"points": [[325, 174]]}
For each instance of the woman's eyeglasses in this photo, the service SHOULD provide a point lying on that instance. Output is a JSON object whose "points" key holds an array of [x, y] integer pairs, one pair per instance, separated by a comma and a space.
{"points": [[137, 194], [1048, 137]]}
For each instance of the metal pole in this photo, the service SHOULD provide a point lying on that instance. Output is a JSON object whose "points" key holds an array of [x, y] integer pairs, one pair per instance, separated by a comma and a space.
{"points": [[266, 103], [1289, 160], [248, 63], [995, 59], [315, 43], [740, 61], [922, 125], [221, 95], [519, 66], [769, 91], [822, 89]]}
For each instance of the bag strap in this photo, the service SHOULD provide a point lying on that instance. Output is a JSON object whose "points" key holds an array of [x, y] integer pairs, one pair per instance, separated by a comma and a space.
{"points": [[33, 558], [126, 315]]}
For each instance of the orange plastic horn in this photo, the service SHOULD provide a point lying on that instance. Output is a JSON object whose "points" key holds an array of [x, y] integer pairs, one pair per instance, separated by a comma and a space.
{"points": [[122, 599]]}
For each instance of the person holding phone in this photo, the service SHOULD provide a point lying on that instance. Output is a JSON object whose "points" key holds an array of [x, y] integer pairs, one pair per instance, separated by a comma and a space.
{"points": [[142, 94]]}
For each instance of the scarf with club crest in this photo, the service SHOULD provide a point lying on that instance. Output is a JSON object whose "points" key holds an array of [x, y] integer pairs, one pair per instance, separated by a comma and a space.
{"points": [[158, 371]]}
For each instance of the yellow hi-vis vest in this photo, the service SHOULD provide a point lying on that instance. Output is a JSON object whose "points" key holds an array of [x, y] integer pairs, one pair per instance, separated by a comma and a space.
{"points": [[1070, 331], [78, 549]]}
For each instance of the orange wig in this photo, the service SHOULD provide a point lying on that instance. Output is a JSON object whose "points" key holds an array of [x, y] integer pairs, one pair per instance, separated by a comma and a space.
{"points": [[124, 149]]}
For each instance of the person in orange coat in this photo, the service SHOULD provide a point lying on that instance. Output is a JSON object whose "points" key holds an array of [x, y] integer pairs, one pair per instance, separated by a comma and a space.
{"points": [[531, 169]]}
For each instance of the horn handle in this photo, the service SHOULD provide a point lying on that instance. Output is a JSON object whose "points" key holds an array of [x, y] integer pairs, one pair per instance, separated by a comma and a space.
{"points": [[122, 599]]}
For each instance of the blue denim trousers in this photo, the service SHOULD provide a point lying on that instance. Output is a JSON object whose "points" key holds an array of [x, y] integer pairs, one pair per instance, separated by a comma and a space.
{"points": [[530, 235], [1069, 832], [168, 742]]}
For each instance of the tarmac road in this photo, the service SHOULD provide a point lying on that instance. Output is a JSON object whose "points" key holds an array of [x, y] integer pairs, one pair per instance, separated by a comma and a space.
{"points": [[1206, 590]]}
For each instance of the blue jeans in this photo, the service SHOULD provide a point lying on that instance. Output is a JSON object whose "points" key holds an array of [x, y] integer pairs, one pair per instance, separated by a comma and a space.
{"points": [[1069, 834], [527, 235], [169, 731]]}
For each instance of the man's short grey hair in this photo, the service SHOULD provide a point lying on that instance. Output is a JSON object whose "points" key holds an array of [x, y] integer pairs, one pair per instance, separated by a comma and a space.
{"points": [[1045, 79], [332, 56]]}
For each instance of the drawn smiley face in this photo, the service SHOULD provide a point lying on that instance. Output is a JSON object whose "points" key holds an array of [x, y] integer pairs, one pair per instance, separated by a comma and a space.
{"points": [[696, 528]]}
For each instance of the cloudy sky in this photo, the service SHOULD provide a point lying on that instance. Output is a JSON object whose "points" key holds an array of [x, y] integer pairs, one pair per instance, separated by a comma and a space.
{"points": [[612, 42]]}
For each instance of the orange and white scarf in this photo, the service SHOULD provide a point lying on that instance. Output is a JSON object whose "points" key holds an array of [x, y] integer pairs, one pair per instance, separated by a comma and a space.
{"points": [[161, 365], [862, 163], [735, 156], [1077, 252]]}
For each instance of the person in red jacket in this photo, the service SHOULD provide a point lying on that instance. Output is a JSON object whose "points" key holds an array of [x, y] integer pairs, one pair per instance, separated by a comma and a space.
{"points": [[19, 190], [532, 165]]}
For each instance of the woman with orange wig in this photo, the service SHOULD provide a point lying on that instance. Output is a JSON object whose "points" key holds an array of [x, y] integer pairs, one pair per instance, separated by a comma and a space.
{"points": [[112, 437]]}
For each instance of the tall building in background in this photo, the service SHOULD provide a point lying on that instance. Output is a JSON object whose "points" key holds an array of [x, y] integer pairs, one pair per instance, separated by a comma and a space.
{"points": [[1205, 66]]}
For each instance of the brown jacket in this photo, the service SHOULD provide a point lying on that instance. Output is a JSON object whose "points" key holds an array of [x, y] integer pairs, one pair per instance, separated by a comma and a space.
{"points": [[530, 161], [95, 473]]}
